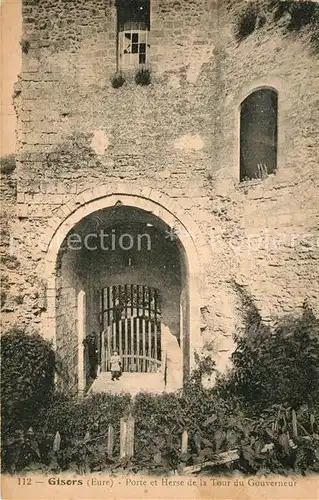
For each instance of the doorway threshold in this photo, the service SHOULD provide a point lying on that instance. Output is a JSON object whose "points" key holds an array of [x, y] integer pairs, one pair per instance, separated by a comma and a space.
{"points": [[129, 383]]}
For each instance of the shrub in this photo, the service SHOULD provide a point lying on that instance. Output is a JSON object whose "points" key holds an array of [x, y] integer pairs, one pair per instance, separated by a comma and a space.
{"points": [[8, 164], [27, 378], [270, 445], [254, 411], [279, 364], [83, 428], [297, 15], [214, 419], [159, 426], [73, 418], [205, 365], [118, 80], [160, 420], [301, 14], [246, 22], [305, 15], [143, 76]]}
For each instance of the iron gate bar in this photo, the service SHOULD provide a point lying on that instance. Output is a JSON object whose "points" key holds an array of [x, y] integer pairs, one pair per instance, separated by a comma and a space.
{"points": [[130, 316]]}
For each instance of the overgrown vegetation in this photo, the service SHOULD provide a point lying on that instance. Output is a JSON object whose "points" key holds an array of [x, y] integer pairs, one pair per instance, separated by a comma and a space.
{"points": [[247, 22], [265, 411], [143, 76], [277, 365], [8, 164], [292, 16], [27, 378], [118, 80], [300, 14]]}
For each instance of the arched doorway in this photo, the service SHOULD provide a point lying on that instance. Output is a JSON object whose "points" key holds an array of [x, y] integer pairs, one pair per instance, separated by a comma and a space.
{"points": [[130, 274]]}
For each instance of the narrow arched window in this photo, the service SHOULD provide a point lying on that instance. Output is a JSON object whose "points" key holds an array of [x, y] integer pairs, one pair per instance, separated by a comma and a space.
{"points": [[258, 134]]}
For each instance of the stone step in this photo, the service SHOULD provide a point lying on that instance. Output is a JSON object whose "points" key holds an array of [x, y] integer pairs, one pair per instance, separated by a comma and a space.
{"points": [[131, 383]]}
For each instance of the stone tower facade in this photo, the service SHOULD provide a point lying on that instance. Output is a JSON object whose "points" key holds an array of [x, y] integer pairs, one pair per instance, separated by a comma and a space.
{"points": [[177, 159]]}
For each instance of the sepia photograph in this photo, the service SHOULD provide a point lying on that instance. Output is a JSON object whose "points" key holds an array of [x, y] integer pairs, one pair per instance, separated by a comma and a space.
{"points": [[159, 249]]}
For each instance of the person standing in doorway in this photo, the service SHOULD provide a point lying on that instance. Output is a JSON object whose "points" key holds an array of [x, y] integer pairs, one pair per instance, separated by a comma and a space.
{"points": [[91, 345], [116, 366]]}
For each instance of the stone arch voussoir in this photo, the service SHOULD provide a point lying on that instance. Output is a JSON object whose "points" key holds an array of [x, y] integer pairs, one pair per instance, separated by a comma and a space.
{"points": [[148, 199], [161, 203]]}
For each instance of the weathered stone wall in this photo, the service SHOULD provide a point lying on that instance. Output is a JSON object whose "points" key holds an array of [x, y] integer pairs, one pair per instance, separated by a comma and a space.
{"points": [[69, 283], [9, 264], [281, 213], [179, 135]]}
